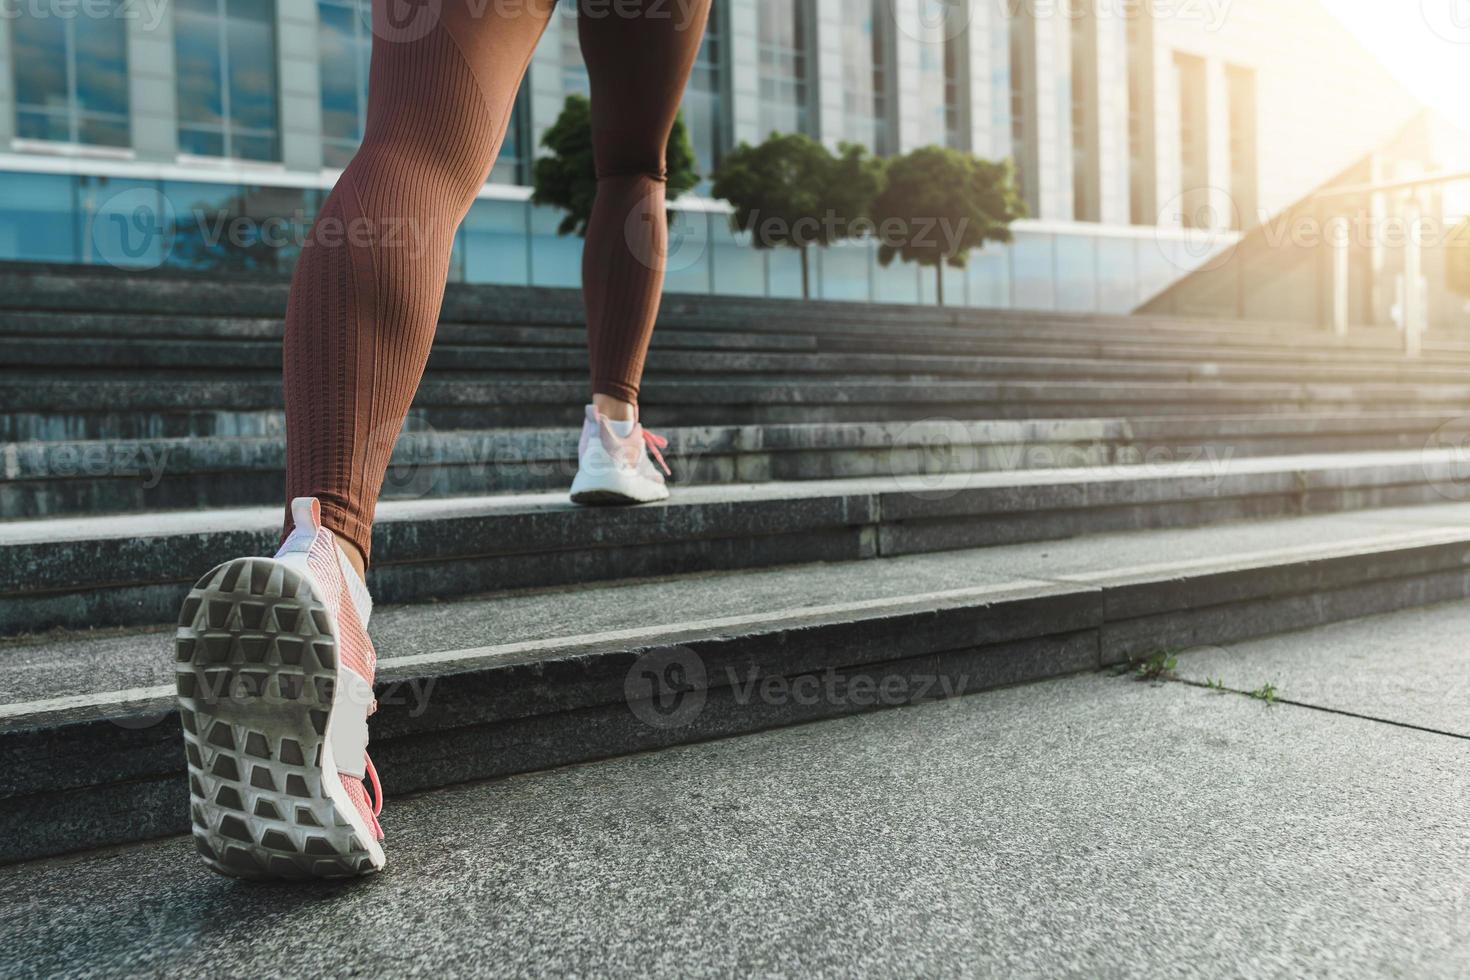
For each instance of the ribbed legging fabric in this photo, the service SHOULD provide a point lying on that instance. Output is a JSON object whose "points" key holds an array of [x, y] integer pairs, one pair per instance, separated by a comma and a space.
{"points": [[370, 280]]}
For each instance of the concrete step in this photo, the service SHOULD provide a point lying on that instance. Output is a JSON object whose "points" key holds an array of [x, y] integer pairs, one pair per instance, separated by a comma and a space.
{"points": [[197, 359], [91, 746], [40, 479], [65, 333], [74, 289], [34, 406], [121, 570]]}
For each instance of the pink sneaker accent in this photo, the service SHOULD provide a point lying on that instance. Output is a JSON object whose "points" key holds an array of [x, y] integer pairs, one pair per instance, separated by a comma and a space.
{"points": [[354, 648]]}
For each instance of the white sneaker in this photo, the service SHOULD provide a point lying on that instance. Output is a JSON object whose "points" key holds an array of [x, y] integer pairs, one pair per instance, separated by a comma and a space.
{"points": [[275, 680], [615, 467]]}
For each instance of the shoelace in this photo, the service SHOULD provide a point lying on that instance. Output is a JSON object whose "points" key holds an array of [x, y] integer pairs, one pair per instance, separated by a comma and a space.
{"points": [[372, 774], [655, 442]]}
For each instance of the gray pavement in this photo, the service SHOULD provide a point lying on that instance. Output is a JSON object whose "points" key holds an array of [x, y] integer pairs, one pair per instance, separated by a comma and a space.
{"points": [[1094, 826], [1410, 667]]}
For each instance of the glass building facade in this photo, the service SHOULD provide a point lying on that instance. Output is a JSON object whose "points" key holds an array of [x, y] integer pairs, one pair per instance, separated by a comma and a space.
{"points": [[269, 101]]}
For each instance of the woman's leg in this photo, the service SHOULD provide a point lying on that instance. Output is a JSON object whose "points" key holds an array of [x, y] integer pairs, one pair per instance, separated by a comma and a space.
{"points": [[367, 290], [639, 54]]}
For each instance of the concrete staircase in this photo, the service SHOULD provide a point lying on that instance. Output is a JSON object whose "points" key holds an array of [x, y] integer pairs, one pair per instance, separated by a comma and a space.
{"points": [[873, 499]]}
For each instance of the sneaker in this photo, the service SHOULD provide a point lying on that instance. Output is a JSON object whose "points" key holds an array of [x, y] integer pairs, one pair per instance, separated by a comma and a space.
{"points": [[275, 681], [616, 468]]}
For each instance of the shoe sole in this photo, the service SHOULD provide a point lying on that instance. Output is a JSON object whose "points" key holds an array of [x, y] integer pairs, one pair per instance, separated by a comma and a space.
{"points": [[256, 670], [610, 498]]}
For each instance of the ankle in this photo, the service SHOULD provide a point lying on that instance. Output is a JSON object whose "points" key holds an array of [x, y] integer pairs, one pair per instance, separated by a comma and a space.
{"points": [[354, 556], [615, 410]]}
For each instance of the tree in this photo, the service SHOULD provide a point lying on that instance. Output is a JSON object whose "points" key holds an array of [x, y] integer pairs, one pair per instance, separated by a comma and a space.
{"points": [[567, 179], [941, 203], [792, 192]]}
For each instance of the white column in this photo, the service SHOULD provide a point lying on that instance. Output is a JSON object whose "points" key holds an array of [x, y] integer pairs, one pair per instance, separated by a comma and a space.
{"points": [[1111, 146], [7, 89], [744, 62], [828, 97], [1051, 114], [1340, 241], [152, 83], [1223, 207], [990, 103], [298, 61], [909, 37], [1168, 209]]}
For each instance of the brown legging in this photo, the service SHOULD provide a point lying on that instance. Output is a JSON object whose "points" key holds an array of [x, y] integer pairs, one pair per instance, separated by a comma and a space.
{"points": [[368, 286]]}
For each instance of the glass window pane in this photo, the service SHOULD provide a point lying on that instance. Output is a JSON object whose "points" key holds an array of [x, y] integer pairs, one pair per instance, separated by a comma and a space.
{"points": [[556, 260], [687, 268], [1076, 286], [494, 244], [102, 62], [341, 48], [36, 218], [739, 268], [196, 50], [250, 35], [39, 47], [845, 271], [42, 125], [121, 222]]}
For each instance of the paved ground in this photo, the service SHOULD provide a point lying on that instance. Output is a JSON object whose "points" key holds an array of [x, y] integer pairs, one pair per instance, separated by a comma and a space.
{"points": [[1094, 826]]}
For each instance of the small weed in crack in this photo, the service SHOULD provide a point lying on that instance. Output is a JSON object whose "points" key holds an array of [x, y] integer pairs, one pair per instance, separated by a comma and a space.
{"points": [[1159, 667]]}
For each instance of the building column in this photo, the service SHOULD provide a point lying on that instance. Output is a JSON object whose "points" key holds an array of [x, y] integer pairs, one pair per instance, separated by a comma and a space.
{"points": [[988, 78], [828, 96], [744, 66], [152, 85], [7, 87], [1168, 209], [1223, 208], [1100, 57], [918, 74], [298, 58], [1045, 158], [1141, 73], [1110, 149], [545, 91]]}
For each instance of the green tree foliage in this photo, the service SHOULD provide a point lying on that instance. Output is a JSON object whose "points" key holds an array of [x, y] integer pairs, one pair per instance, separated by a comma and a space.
{"points": [[792, 192], [939, 204], [567, 179]]}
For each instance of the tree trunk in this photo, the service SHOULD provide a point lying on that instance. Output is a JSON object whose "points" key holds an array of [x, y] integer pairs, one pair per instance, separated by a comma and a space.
{"points": [[806, 276], [939, 281]]}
